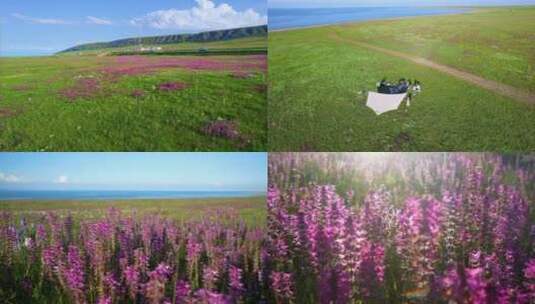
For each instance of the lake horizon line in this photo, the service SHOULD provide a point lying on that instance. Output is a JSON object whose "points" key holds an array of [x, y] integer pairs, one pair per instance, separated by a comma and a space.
{"points": [[75, 195], [406, 6], [281, 19]]}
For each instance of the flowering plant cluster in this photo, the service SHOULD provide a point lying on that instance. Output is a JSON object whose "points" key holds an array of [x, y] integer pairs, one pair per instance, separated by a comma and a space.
{"points": [[130, 259], [448, 228]]}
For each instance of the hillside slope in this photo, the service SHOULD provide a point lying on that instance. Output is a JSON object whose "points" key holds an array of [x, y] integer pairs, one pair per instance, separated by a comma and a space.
{"points": [[220, 35]]}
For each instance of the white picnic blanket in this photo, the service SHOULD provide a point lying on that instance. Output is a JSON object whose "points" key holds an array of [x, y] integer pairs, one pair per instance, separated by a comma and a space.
{"points": [[382, 103]]}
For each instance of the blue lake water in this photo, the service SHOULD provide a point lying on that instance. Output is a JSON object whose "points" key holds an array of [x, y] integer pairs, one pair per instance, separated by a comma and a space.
{"points": [[110, 195], [280, 18]]}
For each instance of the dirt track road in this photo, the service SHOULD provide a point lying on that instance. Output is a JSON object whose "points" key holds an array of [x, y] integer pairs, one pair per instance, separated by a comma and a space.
{"points": [[499, 88]]}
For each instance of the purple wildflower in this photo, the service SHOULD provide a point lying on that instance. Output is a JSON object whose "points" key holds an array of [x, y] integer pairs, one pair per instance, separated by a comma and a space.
{"points": [[529, 274], [210, 277], [476, 285], [281, 283], [222, 128], [132, 277], [74, 274], [172, 86], [105, 300], [203, 296], [235, 284], [155, 288], [137, 93], [182, 292]]}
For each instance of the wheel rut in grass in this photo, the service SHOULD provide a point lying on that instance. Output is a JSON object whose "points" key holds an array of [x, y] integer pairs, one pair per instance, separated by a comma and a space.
{"points": [[496, 87]]}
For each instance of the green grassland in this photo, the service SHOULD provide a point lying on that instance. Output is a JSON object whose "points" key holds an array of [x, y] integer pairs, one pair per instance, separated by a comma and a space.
{"points": [[250, 209], [34, 116], [318, 84], [497, 44]]}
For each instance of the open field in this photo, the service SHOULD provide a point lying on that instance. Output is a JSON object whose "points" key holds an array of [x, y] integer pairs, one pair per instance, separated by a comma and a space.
{"points": [[250, 209], [173, 251], [134, 103], [496, 44], [319, 79]]}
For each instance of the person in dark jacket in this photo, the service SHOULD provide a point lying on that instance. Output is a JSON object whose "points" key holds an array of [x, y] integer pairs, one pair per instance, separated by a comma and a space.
{"points": [[386, 88]]}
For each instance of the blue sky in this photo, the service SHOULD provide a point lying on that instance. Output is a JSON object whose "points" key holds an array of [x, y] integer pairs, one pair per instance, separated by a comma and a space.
{"points": [[133, 171], [354, 3], [43, 27]]}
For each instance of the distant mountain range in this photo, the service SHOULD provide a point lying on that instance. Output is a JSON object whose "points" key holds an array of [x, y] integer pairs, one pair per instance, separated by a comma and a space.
{"points": [[220, 35]]}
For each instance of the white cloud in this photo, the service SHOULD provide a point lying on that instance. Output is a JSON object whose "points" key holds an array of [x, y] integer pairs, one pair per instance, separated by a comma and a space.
{"points": [[98, 21], [9, 178], [39, 20], [205, 16], [62, 179]]}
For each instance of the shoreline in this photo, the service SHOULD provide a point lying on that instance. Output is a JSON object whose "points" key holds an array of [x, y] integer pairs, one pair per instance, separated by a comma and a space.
{"points": [[118, 199], [470, 9]]}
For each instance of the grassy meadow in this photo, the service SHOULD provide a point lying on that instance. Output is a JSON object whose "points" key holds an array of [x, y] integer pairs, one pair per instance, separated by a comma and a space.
{"points": [[250, 209], [319, 79], [94, 101]]}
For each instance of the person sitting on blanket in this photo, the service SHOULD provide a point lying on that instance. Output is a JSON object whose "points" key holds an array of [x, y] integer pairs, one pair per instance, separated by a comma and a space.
{"points": [[387, 88]]}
